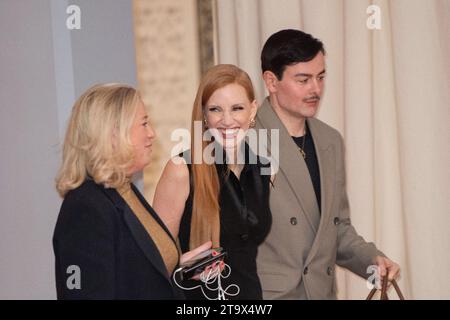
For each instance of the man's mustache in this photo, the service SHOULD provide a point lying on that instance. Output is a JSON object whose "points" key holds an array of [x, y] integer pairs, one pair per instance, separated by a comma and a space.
{"points": [[312, 99]]}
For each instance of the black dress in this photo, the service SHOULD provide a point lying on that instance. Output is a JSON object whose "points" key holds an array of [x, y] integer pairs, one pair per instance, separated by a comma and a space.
{"points": [[245, 221]]}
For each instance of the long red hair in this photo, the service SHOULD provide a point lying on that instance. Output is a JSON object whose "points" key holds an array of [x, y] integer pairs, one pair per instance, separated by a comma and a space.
{"points": [[205, 208]]}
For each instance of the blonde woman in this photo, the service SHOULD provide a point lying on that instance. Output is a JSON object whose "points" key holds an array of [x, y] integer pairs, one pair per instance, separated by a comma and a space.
{"points": [[108, 241], [226, 203]]}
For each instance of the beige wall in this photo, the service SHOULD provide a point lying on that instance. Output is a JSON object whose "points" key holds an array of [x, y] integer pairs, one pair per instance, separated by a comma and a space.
{"points": [[168, 71]]}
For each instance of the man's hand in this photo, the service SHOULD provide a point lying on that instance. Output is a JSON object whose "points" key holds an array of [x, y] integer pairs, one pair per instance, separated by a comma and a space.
{"points": [[386, 265]]}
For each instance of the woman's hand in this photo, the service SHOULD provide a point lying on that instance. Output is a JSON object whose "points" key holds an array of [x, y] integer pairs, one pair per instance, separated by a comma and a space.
{"points": [[190, 254]]}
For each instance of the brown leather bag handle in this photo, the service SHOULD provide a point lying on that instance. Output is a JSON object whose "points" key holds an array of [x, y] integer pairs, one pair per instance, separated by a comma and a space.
{"points": [[384, 295]]}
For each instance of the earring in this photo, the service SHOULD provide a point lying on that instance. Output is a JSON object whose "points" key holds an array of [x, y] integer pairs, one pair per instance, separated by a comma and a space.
{"points": [[252, 123], [205, 123]]}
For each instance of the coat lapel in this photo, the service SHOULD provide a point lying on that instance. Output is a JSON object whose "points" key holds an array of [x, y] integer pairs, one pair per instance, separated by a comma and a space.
{"points": [[138, 231], [291, 164], [326, 160]]}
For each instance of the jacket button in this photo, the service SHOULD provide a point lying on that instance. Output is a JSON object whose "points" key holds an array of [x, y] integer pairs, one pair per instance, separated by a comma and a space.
{"points": [[305, 271], [336, 221], [329, 271], [293, 221], [244, 237]]}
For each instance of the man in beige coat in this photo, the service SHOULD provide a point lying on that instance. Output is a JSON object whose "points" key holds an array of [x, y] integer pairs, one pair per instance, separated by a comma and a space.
{"points": [[311, 230]]}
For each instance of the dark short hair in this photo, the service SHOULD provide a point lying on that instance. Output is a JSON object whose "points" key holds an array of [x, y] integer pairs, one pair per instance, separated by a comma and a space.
{"points": [[288, 47]]}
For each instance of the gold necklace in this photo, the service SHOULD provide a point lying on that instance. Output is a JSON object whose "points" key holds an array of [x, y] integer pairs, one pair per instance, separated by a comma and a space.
{"points": [[302, 149]]}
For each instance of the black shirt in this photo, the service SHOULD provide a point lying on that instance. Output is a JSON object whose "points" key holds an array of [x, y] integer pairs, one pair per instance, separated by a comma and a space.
{"points": [[311, 160], [245, 221]]}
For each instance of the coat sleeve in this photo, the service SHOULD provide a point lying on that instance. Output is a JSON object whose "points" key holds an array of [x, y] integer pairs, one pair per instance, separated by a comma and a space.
{"points": [[353, 252], [83, 244]]}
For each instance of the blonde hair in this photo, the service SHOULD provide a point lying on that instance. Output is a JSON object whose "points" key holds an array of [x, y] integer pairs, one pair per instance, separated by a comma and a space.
{"points": [[97, 142], [205, 206]]}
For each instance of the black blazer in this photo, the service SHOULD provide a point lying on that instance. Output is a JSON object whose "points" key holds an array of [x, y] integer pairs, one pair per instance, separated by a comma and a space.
{"points": [[117, 259]]}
